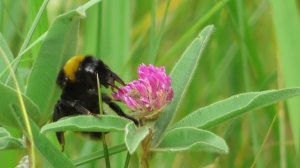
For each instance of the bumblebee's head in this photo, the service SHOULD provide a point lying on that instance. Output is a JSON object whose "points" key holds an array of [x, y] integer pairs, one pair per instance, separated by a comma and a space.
{"points": [[83, 70]]}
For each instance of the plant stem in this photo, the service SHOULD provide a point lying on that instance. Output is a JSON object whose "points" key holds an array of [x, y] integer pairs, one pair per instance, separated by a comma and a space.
{"points": [[146, 143], [106, 155], [127, 160]]}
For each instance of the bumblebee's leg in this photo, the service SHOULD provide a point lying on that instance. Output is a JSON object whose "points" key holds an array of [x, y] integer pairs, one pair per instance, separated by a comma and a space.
{"points": [[61, 110], [106, 99], [58, 114], [77, 106]]}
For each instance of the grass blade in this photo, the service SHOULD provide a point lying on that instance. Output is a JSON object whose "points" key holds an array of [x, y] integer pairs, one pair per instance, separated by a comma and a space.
{"points": [[286, 15]]}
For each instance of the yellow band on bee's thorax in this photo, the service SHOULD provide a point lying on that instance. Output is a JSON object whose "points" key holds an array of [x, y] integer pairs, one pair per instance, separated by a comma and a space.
{"points": [[72, 66]]}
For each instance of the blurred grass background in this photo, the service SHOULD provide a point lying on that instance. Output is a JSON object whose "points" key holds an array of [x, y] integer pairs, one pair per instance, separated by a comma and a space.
{"points": [[255, 47]]}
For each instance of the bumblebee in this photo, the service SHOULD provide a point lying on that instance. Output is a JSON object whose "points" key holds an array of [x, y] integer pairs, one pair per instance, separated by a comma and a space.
{"points": [[78, 81]]}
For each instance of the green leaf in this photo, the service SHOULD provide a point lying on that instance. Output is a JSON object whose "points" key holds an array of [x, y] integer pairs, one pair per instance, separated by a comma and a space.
{"points": [[9, 142], [287, 34], [59, 44], [181, 76], [9, 97], [134, 136], [191, 139], [234, 106], [105, 123]]}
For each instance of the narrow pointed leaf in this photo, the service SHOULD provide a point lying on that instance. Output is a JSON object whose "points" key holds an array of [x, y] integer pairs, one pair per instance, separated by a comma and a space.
{"points": [[86, 123], [181, 76], [234, 106], [134, 136], [191, 139], [286, 20]]}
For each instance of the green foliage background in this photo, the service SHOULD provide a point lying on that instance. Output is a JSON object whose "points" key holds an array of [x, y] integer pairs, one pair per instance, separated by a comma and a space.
{"points": [[255, 46]]}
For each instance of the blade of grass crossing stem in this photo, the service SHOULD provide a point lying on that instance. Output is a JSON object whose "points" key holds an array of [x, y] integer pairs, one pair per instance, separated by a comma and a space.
{"points": [[99, 155], [107, 163], [285, 14], [181, 76], [23, 108]]}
